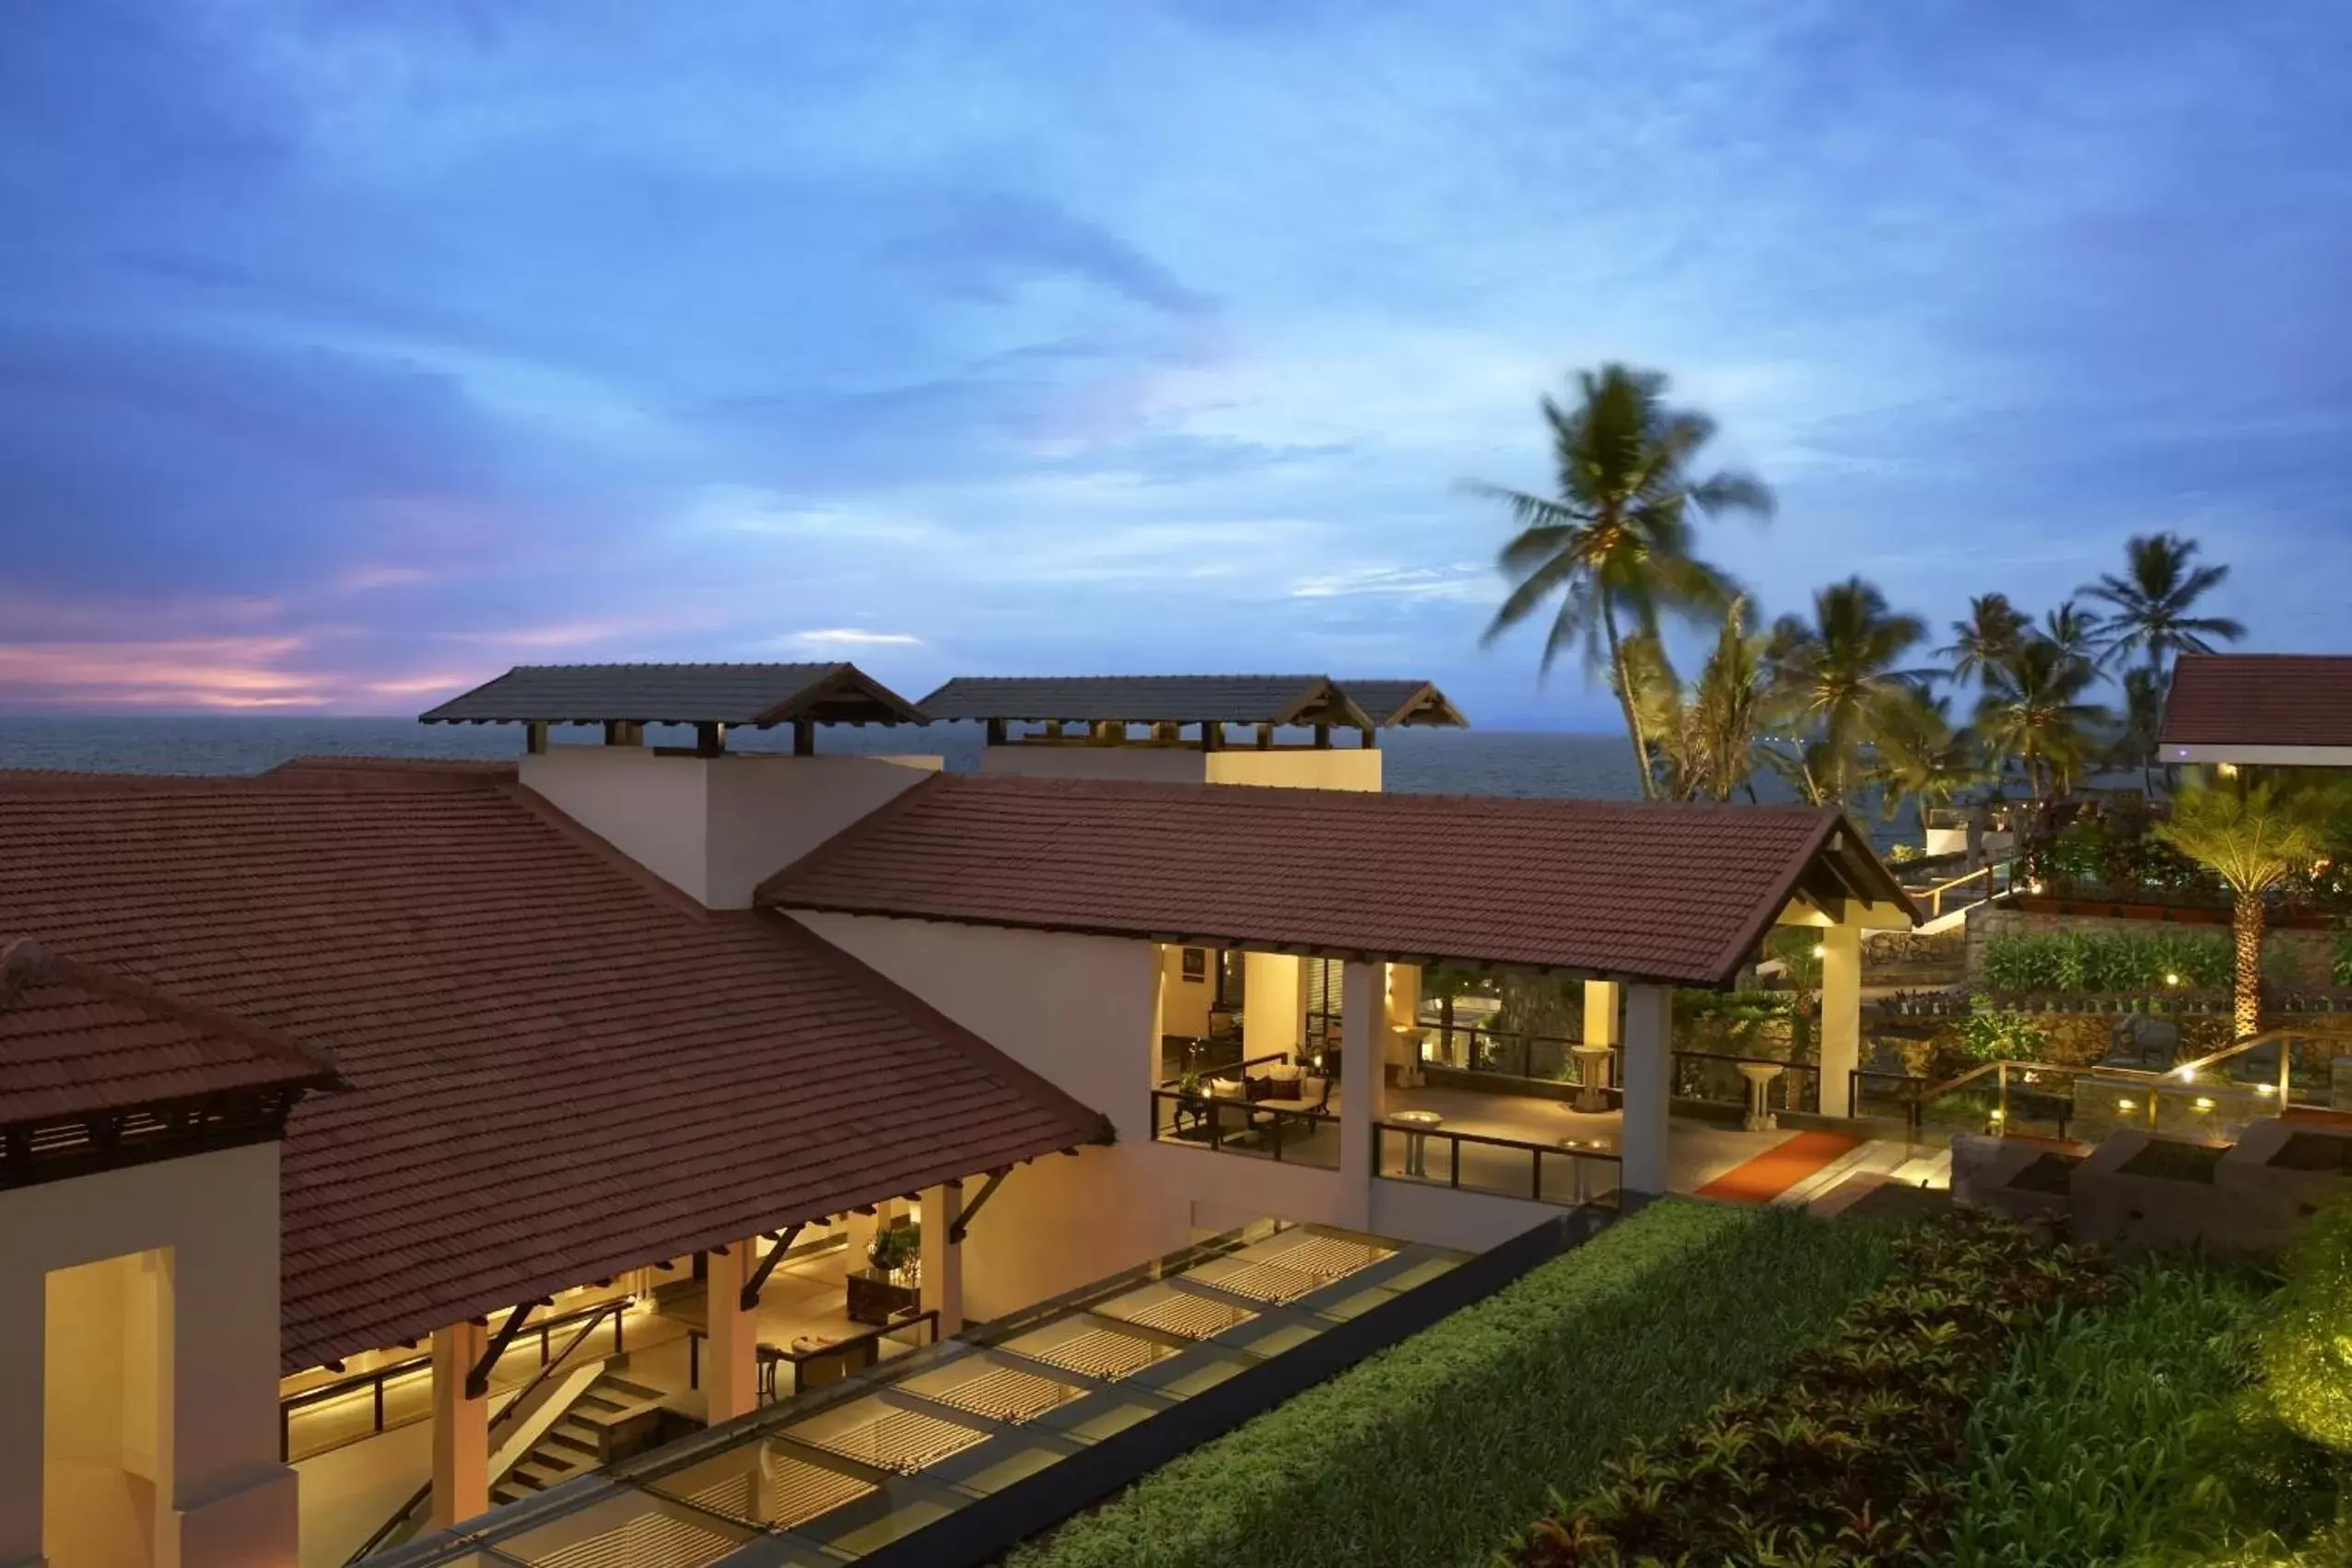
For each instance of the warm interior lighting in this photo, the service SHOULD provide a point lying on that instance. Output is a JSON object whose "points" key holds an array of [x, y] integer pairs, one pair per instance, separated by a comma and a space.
{"points": [[2122, 1105], [2265, 1088], [2204, 1103]]}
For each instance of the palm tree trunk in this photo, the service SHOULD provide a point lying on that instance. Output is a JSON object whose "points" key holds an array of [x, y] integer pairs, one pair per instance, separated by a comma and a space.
{"points": [[2245, 929], [1625, 698]]}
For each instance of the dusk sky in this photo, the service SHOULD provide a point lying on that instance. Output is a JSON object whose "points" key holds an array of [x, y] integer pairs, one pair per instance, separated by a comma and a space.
{"points": [[353, 352]]}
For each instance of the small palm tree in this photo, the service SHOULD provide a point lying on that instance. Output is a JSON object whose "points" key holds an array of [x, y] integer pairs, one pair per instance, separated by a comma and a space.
{"points": [[1993, 629], [2153, 600], [2251, 840], [1706, 738], [1615, 544], [2033, 710], [1842, 673]]}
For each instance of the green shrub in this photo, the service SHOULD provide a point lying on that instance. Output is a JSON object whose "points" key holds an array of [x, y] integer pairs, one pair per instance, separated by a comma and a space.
{"points": [[2122, 1433], [1849, 1458], [1994, 1034], [2103, 961], [1436, 1450], [2306, 1346]]}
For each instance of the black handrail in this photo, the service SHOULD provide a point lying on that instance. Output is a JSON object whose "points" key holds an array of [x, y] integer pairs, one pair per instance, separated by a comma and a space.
{"points": [[797, 1360], [1537, 1152], [588, 1321], [289, 1404], [1242, 1066]]}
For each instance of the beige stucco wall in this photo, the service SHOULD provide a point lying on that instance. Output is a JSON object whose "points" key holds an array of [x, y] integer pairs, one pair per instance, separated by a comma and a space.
{"points": [[1183, 1004], [211, 1223], [716, 827], [1082, 1012], [1339, 768]]}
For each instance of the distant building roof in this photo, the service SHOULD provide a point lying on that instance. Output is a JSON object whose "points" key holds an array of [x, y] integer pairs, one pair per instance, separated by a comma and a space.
{"points": [[78, 1040], [2259, 700], [755, 695], [1680, 893], [1149, 699], [1415, 702], [558, 1067]]}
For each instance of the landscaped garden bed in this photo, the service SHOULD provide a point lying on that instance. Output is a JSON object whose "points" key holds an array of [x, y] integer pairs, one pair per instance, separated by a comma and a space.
{"points": [[1434, 1451]]}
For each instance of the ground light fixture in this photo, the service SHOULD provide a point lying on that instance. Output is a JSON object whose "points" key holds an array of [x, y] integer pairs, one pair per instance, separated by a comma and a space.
{"points": [[2171, 980]]}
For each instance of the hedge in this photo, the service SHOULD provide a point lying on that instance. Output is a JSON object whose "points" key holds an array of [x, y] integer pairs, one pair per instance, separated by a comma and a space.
{"points": [[1439, 1449], [2101, 961]]}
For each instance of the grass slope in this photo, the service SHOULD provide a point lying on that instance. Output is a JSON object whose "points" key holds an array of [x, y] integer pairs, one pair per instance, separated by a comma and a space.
{"points": [[1439, 1449]]}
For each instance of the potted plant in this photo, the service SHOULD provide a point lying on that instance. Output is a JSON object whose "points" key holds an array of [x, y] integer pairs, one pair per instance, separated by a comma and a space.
{"points": [[888, 1286]]}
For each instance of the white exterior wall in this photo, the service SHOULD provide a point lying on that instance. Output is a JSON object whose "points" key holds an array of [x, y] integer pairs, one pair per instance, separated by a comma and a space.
{"points": [[224, 1501], [1080, 1012], [716, 827]]}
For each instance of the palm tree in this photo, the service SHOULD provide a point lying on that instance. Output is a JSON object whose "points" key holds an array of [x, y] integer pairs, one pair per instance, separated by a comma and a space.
{"points": [[2142, 721], [1615, 543], [2073, 628], [1994, 626], [2250, 839], [1706, 738], [2153, 598], [1922, 757], [2033, 708], [1840, 674]]}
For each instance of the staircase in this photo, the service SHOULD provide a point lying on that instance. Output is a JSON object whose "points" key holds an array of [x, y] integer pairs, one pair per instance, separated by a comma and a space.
{"points": [[603, 1423]]}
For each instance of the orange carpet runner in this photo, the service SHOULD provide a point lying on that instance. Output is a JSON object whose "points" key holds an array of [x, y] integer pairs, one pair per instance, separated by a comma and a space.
{"points": [[1780, 1167]]}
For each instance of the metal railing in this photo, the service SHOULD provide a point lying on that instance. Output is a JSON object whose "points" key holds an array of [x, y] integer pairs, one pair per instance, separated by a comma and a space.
{"points": [[1967, 890], [403, 1521], [1281, 1131], [374, 1382], [854, 1353], [1508, 1167], [1713, 1077], [2206, 1099]]}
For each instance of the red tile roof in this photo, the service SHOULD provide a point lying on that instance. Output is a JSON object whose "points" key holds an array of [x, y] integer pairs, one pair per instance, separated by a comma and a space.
{"points": [[1670, 893], [78, 1041], [2259, 699], [560, 1068]]}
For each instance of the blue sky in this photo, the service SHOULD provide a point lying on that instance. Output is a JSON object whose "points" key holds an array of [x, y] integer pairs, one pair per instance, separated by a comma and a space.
{"points": [[349, 354]]}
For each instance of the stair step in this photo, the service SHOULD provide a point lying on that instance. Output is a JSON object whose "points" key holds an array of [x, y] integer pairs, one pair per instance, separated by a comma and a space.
{"points": [[626, 1390]]}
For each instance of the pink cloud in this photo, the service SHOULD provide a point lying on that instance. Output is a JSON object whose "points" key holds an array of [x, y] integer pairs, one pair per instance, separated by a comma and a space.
{"points": [[238, 673]]}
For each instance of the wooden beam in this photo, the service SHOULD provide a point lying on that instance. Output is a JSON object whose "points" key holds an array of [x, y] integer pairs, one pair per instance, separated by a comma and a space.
{"points": [[477, 1382], [1266, 737], [963, 1220], [1323, 737], [749, 1300], [1370, 738], [534, 738], [996, 733], [804, 737], [710, 739]]}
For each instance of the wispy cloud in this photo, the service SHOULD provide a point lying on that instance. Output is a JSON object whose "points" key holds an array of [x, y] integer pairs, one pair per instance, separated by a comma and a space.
{"points": [[228, 672], [1451, 584], [853, 637]]}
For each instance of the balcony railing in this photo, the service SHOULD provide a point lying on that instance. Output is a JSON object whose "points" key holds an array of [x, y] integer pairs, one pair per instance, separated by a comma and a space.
{"points": [[1559, 1172]]}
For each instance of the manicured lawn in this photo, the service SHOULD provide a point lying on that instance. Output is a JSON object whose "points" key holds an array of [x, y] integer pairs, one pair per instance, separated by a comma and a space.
{"points": [[1438, 1450]]}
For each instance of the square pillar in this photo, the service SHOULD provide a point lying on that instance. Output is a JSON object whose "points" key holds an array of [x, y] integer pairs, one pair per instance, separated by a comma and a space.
{"points": [[1272, 1007], [859, 1232], [1841, 1016], [1364, 1083], [1649, 1082], [1602, 998], [731, 1358], [1404, 1019], [24, 1309], [942, 1290], [460, 1427]]}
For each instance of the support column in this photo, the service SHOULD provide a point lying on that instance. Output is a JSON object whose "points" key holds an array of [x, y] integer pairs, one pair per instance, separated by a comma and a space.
{"points": [[1841, 1016], [1602, 1000], [1404, 1020], [731, 1356], [859, 1230], [1270, 1008], [1649, 1081], [23, 1319], [1363, 1086], [942, 1288], [460, 1427]]}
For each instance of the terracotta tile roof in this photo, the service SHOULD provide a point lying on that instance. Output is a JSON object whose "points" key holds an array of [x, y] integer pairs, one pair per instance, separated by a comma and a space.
{"points": [[559, 1069], [1667, 892], [678, 693], [2259, 699], [76, 1040], [1148, 700], [1418, 703]]}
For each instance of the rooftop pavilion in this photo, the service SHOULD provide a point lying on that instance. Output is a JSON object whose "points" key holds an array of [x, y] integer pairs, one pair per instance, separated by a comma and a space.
{"points": [[710, 698], [1106, 707], [2259, 709]]}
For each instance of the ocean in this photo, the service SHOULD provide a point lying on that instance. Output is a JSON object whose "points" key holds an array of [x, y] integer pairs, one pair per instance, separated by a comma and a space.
{"points": [[1473, 762]]}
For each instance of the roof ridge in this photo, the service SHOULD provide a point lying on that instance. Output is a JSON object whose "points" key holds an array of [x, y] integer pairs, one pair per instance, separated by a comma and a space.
{"points": [[26, 961], [536, 807]]}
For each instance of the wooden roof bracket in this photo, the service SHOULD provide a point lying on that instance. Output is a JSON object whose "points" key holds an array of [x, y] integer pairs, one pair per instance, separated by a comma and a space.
{"points": [[749, 1298], [971, 1211]]}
